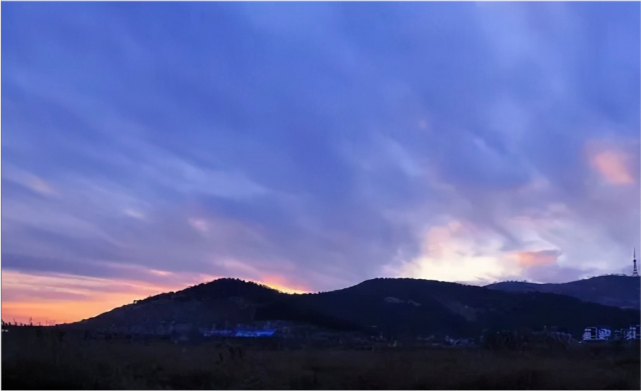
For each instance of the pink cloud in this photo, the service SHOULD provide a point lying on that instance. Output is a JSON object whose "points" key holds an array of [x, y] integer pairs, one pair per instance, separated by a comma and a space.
{"points": [[613, 162], [537, 258]]}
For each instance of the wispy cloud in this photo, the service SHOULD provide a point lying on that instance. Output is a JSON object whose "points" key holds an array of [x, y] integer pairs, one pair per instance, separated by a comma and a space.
{"points": [[319, 144], [30, 181]]}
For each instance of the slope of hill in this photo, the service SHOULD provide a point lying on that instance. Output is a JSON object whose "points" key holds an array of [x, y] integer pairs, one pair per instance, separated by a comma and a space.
{"points": [[399, 308], [617, 291]]}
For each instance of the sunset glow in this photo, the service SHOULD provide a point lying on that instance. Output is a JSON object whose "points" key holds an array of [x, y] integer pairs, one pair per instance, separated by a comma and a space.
{"points": [[50, 299], [148, 147]]}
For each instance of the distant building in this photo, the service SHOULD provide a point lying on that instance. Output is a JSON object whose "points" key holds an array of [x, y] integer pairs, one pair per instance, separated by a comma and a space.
{"points": [[605, 334], [240, 333], [255, 333], [596, 334], [632, 333]]}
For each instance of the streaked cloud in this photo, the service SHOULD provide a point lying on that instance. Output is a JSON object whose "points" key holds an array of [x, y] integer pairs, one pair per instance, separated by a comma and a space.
{"points": [[29, 181], [316, 145]]}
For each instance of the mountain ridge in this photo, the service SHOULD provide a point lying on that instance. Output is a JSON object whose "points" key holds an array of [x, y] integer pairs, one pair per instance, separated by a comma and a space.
{"points": [[612, 290], [400, 308]]}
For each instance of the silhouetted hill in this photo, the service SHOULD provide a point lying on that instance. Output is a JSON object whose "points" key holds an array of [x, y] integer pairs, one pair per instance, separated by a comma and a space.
{"points": [[617, 291], [399, 308]]}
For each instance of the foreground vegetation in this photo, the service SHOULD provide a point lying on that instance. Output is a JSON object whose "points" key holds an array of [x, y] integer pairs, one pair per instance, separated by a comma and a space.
{"points": [[44, 360]]}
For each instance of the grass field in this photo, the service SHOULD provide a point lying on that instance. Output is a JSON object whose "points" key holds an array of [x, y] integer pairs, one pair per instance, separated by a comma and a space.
{"points": [[32, 361]]}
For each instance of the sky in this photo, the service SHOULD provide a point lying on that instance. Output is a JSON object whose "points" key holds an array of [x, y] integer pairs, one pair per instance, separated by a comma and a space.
{"points": [[147, 147]]}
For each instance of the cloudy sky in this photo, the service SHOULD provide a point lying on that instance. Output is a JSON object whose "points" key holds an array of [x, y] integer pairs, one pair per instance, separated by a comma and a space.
{"points": [[309, 146]]}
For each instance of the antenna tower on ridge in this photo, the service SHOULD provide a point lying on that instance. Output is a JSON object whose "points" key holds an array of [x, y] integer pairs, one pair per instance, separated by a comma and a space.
{"points": [[634, 263]]}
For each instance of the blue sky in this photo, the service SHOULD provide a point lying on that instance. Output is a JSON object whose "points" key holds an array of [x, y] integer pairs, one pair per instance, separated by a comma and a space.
{"points": [[314, 145]]}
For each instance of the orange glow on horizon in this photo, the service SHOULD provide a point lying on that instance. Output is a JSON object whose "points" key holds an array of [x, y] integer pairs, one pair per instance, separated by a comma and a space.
{"points": [[45, 298], [280, 283], [57, 312]]}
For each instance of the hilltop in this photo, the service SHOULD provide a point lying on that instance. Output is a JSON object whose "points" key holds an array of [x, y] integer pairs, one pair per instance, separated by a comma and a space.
{"points": [[612, 290], [399, 308]]}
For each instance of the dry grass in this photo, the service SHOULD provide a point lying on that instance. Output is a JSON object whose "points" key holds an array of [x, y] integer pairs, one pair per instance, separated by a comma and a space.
{"points": [[33, 362]]}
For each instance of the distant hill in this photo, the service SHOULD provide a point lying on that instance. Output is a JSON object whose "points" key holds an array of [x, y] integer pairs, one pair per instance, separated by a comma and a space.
{"points": [[616, 291], [399, 308]]}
